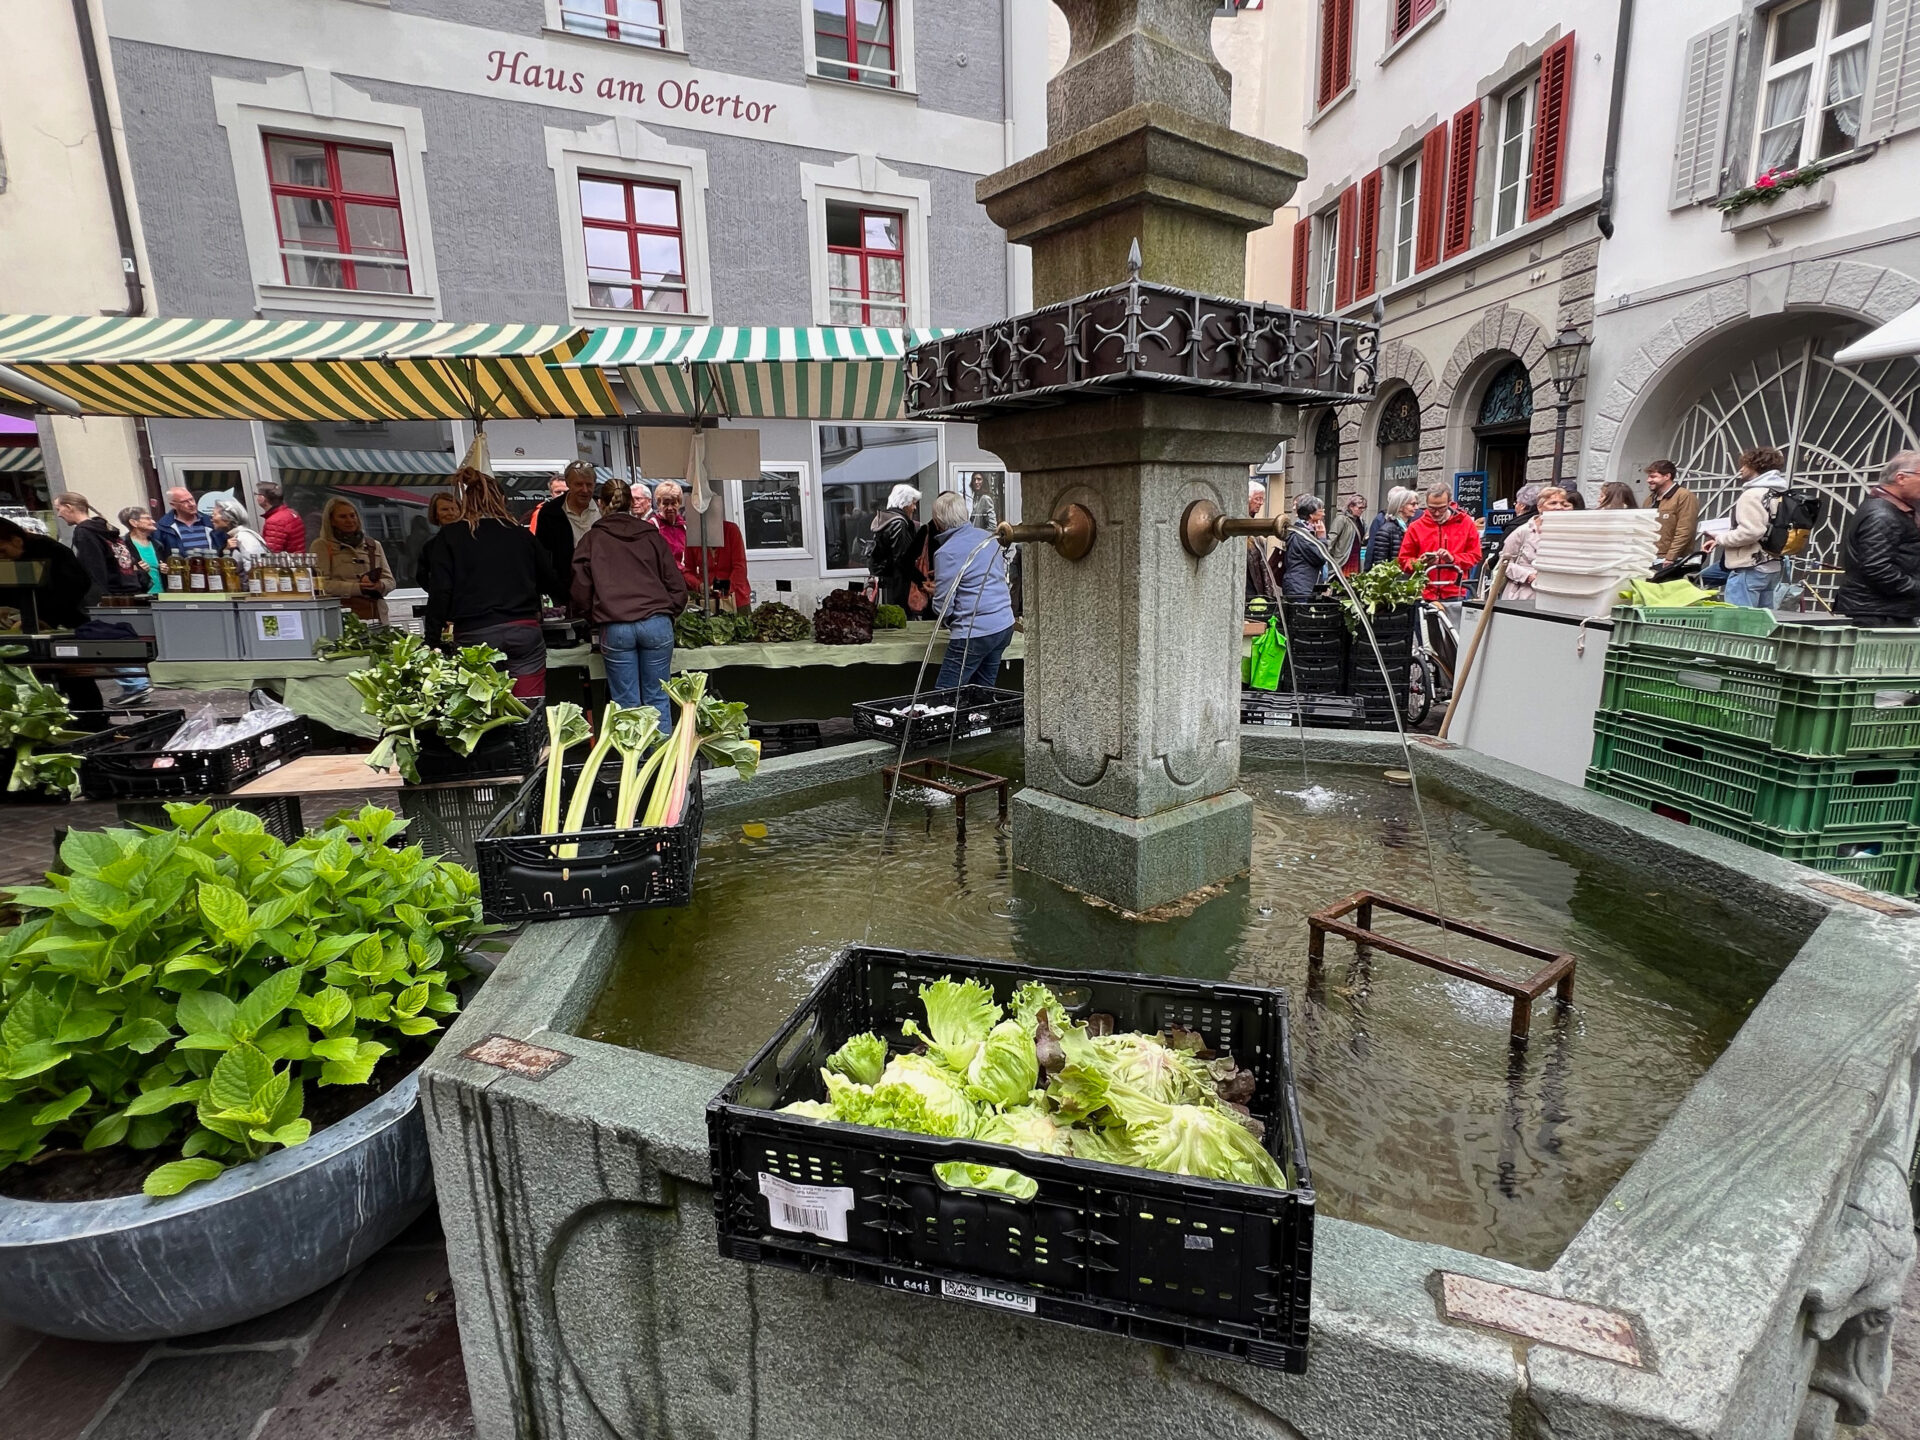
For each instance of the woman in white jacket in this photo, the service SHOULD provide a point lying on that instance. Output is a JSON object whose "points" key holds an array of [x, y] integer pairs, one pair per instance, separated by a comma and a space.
{"points": [[1524, 543], [1752, 574]]}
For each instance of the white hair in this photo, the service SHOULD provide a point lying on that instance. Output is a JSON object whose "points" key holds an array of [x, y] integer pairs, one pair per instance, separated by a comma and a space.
{"points": [[950, 510], [1398, 498], [232, 509], [901, 496]]}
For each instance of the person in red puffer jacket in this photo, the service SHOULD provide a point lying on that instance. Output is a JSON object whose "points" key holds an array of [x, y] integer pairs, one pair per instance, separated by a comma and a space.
{"points": [[1449, 537], [280, 525]]}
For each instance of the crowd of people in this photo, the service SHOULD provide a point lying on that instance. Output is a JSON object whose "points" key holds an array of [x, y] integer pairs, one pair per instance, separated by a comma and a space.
{"points": [[1878, 559]]}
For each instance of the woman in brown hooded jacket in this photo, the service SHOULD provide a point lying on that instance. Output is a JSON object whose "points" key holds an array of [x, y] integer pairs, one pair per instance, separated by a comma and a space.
{"points": [[626, 582]]}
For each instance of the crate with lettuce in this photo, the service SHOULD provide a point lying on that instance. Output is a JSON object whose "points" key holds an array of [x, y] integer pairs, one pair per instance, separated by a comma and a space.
{"points": [[945, 1125]]}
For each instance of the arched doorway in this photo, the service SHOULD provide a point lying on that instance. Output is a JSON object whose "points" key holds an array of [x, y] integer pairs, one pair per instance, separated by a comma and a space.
{"points": [[1502, 429], [1836, 424], [1326, 460], [1398, 438]]}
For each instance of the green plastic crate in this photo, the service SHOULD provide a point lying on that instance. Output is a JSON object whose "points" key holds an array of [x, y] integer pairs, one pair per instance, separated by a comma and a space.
{"points": [[1884, 858], [1761, 639], [1792, 714], [1781, 792]]}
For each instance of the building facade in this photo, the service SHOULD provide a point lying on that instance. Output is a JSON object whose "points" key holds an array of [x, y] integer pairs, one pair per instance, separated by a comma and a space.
{"points": [[600, 162], [1717, 322], [1456, 152]]}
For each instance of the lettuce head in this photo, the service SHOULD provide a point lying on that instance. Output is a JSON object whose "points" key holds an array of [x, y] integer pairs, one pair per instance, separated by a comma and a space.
{"points": [[810, 1109], [1205, 1141], [913, 1094], [992, 1179], [1141, 1063], [1004, 1069], [861, 1059], [1030, 1128], [960, 1014]]}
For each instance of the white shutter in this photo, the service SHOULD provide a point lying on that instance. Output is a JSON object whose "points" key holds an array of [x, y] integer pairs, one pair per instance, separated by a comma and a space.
{"points": [[1893, 98], [1699, 147]]}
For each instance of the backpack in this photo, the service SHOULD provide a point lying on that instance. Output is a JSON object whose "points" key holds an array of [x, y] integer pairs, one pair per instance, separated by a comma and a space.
{"points": [[1790, 521]]}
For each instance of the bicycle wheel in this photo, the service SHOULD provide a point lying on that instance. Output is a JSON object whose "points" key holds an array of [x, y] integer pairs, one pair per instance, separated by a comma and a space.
{"points": [[1420, 690]]}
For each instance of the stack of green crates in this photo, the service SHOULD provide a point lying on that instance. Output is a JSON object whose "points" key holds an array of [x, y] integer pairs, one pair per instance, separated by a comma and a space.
{"points": [[1799, 739]]}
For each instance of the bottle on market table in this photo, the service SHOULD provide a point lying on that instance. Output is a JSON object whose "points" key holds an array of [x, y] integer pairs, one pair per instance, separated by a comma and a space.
{"points": [[230, 580], [174, 572], [197, 571], [256, 575], [304, 566]]}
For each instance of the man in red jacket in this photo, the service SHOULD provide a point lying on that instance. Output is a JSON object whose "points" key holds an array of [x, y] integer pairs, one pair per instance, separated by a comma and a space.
{"points": [[1450, 539], [280, 524]]}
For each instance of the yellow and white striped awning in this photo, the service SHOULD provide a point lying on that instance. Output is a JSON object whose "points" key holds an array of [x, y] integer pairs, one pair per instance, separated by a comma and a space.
{"points": [[21, 459], [305, 369], [758, 373]]}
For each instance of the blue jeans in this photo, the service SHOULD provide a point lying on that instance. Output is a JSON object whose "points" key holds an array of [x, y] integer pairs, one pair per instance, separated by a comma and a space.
{"points": [[639, 655], [1752, 586], [973, 661]]}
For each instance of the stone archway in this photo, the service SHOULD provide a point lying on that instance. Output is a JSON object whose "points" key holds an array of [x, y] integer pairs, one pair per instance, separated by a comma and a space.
{"points": [[1869, 293], [1501, 335]]}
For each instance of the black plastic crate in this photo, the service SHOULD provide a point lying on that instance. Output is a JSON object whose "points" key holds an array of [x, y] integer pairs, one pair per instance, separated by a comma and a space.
{"points": [[505, 750], [1316, 618], [1320, 679], [54, 649], [144, 769], [103, 728], [449, 819], [1283, 708], [1199, 1264], [976, 710], [279, 814], [645, 868], [786, 738]]}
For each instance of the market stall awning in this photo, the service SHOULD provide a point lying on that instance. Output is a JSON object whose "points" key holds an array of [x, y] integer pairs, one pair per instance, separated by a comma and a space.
{"points": [[758, 374], [19, 459], [1898, 338], [304, 369], [335, 462]]}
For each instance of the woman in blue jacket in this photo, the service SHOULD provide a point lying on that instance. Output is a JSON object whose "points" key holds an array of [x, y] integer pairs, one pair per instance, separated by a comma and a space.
{"points": [[970, 592]]}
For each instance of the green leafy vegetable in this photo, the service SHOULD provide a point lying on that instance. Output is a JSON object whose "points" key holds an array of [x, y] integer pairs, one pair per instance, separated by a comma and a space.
{"points": [[566, 727], [415, 691], [36, 725], [1003, 1070], [861, 1059], [358, 640], [181, 986], [1383, 587], [960, 1014], [889, 617], [775, 624]]}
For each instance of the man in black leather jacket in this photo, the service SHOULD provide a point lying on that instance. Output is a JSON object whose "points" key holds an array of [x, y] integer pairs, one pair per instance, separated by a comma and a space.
{"points": [[1880, 551]]}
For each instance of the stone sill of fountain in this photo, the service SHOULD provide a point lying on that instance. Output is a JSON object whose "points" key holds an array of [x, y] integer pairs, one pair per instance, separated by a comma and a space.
{"points": [[1763, 1236]]}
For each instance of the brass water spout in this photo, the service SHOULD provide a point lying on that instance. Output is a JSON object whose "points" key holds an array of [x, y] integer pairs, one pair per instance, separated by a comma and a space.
{"points": [[1205, 525], [1071, 532]]}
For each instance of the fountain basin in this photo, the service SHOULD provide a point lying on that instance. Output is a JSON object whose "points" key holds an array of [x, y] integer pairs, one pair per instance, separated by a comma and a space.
{"points": [[1750, 1254]]}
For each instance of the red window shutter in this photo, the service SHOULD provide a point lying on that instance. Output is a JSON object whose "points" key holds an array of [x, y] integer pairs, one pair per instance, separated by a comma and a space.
{"points": [[1553, 113], [1343, 272], [1433, 198], [1302, 253], [1409, 13], [1463, 159], [1366, 269], [1336, 48]]}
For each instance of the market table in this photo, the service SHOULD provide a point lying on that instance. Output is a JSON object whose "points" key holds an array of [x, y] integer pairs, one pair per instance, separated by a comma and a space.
{"points": [[831, 678]]}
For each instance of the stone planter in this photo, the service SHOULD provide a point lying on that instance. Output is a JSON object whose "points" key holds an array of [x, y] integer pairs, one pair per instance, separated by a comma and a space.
{"points": [[256, 1238]]}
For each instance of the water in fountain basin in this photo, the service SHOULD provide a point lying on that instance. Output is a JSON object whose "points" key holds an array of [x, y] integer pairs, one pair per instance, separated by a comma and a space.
{"points": [[1416, 1119]]}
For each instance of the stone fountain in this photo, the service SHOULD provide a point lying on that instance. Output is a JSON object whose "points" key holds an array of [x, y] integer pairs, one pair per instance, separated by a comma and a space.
{"points": [[1138, 388]]}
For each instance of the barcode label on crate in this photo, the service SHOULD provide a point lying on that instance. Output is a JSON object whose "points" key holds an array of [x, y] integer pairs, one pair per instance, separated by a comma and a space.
{"points": [[807, 1209], [986, 1295]]}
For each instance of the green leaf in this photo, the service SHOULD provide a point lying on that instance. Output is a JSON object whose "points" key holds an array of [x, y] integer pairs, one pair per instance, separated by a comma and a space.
{"points": [[288, 1042], [295, 1132], [265, 1002], [34, 1017], [172, 1178], [55, 1111], [149, 1132], [330, 1008], [30, 1060], [87, 852], [225, 908], [84, 1025], [411, 1001], [239, 1081], [204, 963], [142, 1036], [110, 1130], [206, 1012], [372, 1007], [418, 1025], [152, 1102], [354, 1071], [342, 1047], [205, 1042]]}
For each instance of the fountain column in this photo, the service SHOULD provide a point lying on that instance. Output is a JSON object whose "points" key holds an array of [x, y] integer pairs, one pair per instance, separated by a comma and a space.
{"points": [[1132, 671]]}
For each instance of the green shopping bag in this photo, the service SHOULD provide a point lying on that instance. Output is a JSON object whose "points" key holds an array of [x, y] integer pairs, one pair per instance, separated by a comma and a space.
{"points": [[1261, 670]]}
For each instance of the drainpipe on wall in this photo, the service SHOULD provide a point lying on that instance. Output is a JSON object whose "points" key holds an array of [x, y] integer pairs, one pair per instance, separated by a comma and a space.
{"points": [[1621, 42], [110, 161]]}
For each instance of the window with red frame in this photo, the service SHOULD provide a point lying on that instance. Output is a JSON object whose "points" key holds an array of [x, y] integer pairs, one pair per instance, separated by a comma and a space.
{"points": [[854, 40], [632, 22], [337, 208], [1409, 13], [1336, 49], [866, 266], [636, 254]]}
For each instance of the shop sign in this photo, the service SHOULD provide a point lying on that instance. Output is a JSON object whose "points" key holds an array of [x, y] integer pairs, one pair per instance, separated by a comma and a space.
{"points": [[687, 97]]}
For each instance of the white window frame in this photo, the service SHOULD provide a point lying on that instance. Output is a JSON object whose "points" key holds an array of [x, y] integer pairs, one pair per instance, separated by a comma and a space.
{"points": [[1406, 217], [673, 42], [966, 467], [817, 511], [1816, 62], [810, 518], [904, 78], [314, 104], [628, 150], [172, 468], [1513, 181], [866, 181], [1327, 257]]}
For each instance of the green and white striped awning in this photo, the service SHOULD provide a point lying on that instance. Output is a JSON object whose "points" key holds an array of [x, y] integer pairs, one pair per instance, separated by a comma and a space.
{"points": [[395, 467], [305, 369], [21, 459], [760, 374]]}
